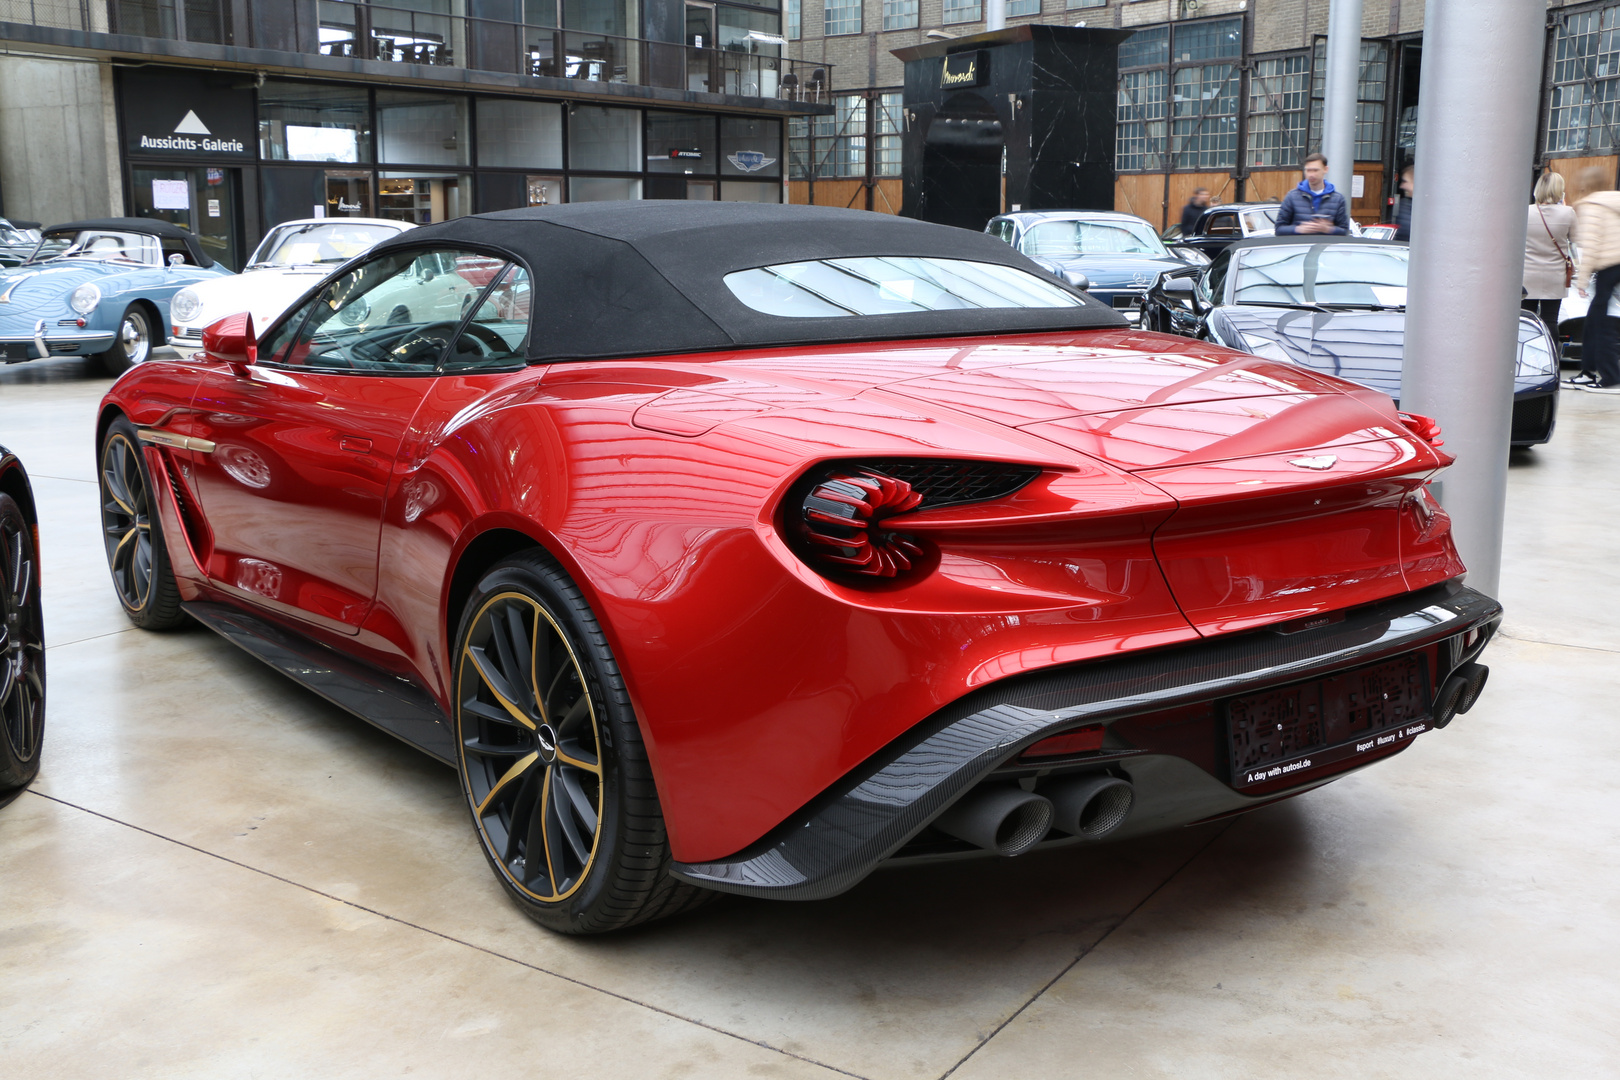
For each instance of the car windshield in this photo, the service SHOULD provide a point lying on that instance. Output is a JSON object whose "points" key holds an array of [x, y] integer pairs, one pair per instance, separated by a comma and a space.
{"points": [[891, 285], [321, 242], [1323, 275], [98, 244], [1091, 238], [9, 235]]}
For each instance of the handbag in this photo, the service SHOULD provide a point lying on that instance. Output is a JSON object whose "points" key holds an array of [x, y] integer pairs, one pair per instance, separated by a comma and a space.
{"points": [[1569, 267]]}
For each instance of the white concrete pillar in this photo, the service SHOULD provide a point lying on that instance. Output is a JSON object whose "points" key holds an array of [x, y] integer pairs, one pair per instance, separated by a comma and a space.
{"points": [[1477, 108], [995, 15]]}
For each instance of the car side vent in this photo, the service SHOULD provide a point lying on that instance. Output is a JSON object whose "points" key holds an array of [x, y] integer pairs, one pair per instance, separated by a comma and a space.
{"points": [[946, 483]]}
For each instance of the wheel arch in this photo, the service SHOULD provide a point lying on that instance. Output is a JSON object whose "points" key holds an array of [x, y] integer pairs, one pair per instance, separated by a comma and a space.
{"points": [[14, 482], [109, 414], [159, 323]]}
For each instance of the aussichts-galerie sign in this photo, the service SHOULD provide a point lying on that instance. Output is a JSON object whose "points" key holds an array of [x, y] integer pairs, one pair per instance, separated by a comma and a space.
{"points": [[964, 69]]}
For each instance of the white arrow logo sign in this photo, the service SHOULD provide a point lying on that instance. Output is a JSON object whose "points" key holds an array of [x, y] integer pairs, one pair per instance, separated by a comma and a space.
{"points": [[191, 125]]}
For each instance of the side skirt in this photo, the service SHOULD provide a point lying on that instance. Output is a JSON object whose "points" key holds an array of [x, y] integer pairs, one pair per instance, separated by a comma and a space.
{"points": [[394, 704]]}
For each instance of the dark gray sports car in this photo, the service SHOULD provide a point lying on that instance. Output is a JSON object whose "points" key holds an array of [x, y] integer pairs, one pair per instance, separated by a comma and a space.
{"points": [[1334, 304]]}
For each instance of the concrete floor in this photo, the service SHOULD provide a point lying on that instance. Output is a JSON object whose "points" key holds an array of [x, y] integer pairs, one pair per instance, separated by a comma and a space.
{"points": [[218, 875]]}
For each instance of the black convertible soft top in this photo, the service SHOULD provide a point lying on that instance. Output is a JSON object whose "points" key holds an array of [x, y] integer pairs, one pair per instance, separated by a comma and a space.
{"points": [[643, 278], [154, 226]]}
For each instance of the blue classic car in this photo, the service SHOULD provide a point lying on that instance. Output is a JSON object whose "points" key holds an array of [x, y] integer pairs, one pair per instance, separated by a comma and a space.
{"points": [[1334, 304], [1117, 257], [99, 288]]}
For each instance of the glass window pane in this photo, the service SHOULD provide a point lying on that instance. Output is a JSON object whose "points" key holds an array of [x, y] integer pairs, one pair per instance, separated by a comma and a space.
{"points": [[1198, 41], [959, 11], [1023, 7], [843, 17], [1146, 48], [421, 129], [794, 19], [497, 336], [544, 190], [750, 146], [394, 314], [902, 14], [618, 17], [891, 285], [422, 198], [311, 122], [519, 134], [607, 139], [744, 191], [602, 189], [681, 143]]}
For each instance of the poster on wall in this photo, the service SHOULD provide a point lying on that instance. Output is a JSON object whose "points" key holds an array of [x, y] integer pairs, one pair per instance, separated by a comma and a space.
{"points": [[171, 195]]}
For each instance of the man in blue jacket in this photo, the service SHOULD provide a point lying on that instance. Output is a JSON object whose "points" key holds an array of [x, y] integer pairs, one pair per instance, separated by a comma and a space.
{"points": [[1314, 206]]}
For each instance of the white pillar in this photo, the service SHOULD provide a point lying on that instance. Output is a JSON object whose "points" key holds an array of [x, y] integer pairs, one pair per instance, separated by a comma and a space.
{"points": [[1477, 107], [995, 15], [1339, 95]]}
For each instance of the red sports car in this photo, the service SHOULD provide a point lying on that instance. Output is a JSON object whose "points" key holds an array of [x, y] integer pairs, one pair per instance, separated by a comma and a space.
{"points": [[746, 548]]}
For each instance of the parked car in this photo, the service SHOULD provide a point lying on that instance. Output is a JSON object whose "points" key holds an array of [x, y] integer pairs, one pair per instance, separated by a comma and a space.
{"points": [[1382, 231], [1221, 225], [1336, 305], [22, 632], [292, 258], [99, 288], [1114, 256], [18, 239], [783, 542]]}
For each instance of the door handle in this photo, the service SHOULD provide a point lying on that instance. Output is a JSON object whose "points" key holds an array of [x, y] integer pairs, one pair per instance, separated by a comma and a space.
{"points": [[355, 445]]}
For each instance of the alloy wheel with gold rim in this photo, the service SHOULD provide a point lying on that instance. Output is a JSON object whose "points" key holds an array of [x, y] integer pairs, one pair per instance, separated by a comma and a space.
{"points": [[531, 746], [126, 520]]}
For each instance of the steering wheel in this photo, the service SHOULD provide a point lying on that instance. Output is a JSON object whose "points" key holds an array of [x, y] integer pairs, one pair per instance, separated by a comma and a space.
{"points": [[434, 336]]}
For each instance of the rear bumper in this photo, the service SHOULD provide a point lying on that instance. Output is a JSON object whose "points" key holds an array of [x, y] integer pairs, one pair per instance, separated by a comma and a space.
{"points": [[872, 813]]}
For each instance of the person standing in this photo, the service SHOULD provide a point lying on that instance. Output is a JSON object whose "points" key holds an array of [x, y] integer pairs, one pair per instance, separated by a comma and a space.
{"points": [[1314, 206], [1549, 263], [1194, 210], [1403, 213], [1597, 241]]}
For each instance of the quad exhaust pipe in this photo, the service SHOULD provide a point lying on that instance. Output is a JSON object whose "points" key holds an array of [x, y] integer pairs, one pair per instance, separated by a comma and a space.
{"points": [[1009, 820]]}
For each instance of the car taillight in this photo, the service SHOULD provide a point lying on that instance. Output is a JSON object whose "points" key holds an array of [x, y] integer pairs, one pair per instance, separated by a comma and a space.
{"points": [[1424, 427], [841, 522]]}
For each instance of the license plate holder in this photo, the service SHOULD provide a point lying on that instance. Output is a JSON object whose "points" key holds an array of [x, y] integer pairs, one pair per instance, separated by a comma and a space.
{"points": [[13, 351], [1306, 725]]}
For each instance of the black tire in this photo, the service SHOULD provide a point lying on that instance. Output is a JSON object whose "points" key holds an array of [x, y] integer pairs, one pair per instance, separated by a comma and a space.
{"points": [[22, 653], [132, 345], [137, 556], [546, 744]]}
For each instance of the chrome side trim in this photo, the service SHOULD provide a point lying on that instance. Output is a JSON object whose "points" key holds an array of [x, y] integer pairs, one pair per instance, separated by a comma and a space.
{"points": [[159, 437], [843, 835]]}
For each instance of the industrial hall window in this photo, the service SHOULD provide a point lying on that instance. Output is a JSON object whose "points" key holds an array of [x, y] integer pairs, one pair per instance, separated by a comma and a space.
{"points": [[843, 17], [1015, 8], [1583, 113], [795, 19], [1204, 94], [829, 147], [899, 14], [1139, 134], [887, 137], [1086, 3], [1279, 108], [961, 11], [1371, 89]]}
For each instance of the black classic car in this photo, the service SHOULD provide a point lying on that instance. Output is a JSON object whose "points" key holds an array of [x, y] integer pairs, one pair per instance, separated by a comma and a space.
{"points": [[22, 640], [1334, 304], [1220, 226]]}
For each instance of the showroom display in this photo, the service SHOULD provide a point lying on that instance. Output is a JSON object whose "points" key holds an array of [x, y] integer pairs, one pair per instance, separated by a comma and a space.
{"points": [[1336, 305], [291, 259], [745, 548], [22, 632], [99, 288]]}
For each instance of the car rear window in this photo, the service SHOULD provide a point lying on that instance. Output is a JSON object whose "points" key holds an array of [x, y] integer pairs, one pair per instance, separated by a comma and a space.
{"points": [[891, 285]]}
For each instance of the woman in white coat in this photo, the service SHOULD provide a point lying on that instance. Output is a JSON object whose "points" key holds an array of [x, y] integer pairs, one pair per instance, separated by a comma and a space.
{"points": [[1549, 252]]}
